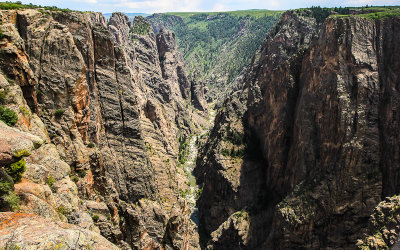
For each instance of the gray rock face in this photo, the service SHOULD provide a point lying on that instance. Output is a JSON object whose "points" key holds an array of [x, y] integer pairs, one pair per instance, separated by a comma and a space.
{"points": [[27, 231], [111, 122], [173, 70], [316, 106], [172, 63], [198, 96]]}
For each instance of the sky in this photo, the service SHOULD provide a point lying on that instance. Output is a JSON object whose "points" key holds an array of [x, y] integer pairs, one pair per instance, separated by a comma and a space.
{"points": [[159, 6]]}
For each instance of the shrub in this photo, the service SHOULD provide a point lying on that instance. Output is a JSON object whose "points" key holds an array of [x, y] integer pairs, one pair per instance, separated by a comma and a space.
{"points": [[183, 193], [239, 153], [16, 169], [75, 178], [50, 182], [81, 173], [8, 116], [90, 145], [12, 200], [58, 113], [234, 137], [3, 96], [22, 153], [140, 26], [25, 111], [61, 210], [198, 193], [95, 218], [183, 149], [5, 187]]}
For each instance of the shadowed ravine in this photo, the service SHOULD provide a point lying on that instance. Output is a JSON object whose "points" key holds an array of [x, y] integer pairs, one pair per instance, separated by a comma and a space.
{"points": [[194, 190], [109, 140]]}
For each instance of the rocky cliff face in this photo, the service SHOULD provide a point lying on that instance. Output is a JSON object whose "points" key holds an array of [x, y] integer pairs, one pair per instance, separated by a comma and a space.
{"points": [[306, 156], [101, 114]]}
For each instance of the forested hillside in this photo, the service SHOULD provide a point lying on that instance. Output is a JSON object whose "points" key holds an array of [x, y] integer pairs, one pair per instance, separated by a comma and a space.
{"points": [[217, 45]]}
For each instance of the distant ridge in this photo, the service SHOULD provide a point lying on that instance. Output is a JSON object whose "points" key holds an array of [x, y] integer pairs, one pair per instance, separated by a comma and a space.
{"points": [[130, 15]]}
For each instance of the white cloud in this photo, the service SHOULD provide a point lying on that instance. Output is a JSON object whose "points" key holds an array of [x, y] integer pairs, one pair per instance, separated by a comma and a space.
{"points": [[219, 7], [155, 5]]}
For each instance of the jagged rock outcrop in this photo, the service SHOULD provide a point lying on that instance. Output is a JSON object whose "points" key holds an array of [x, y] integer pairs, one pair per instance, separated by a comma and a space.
{"points": [[173, 70], [383, 230], [198, 95], [95, 93], [172, 63], [27, 231], [316, 105]]}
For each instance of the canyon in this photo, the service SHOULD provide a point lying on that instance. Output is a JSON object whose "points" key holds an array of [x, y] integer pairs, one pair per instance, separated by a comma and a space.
{"points": [[108, 141]]}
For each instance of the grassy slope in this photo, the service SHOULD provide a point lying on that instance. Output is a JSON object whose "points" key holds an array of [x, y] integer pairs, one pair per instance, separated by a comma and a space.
{"points": [[218, 44], [370, 12], [19, 5], [238, 13], [378, 12]]}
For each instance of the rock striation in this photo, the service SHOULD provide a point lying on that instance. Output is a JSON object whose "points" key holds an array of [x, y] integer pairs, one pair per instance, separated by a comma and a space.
{"points": [[304, 147], [99, 117], [33, 232]]}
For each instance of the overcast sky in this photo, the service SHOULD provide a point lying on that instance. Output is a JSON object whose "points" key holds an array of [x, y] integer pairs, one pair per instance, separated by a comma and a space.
{"points": [[156, 6]]}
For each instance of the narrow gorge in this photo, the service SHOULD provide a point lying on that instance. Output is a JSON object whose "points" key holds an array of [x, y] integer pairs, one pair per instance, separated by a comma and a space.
{"points": [[240, 130]]}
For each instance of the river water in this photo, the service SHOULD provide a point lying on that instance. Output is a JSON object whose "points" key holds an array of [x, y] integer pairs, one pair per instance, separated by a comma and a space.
{"points": [[188, 167]]}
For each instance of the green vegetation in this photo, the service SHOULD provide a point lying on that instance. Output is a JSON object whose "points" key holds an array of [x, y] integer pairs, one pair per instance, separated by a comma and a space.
{"points": [[81, 173], [21, 153], [8, 199], [5, 187], [238, 147], [238, 13], [18, 5], [50, 182], [58, 113], [183, 193], [95, 217], [320, 14], [183, 149], [8, 116], [25, 111], [140, 26], [16, 169], [234, 153], [12, 200], [370, 12], [206, 38], [389, 13], [241, 215], [234, 137], [3, 95], [62, 211], [74, 178], [198, 193]]}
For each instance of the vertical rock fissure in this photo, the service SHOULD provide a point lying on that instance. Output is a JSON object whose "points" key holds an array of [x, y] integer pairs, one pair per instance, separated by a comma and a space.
{"points": [[41, 56], [120, 96], [101, 103]]}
